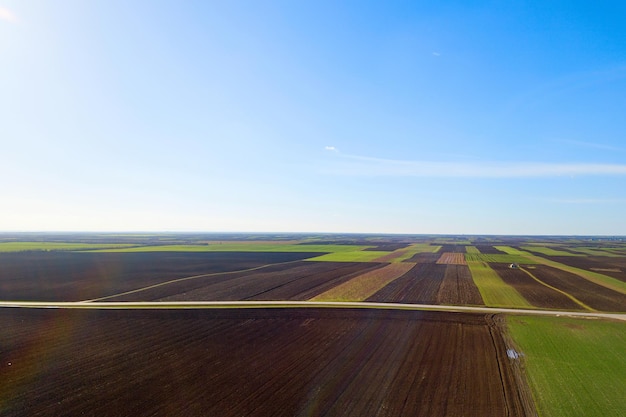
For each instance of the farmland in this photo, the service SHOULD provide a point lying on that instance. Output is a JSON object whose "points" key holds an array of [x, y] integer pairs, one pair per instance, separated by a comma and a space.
{"points": [[255, 363], [71, 276], [364, 285], [494, 291], [575, 366], [326, 355]]}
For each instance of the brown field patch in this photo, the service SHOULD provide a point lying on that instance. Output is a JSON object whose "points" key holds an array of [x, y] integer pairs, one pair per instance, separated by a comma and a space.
{"points": [[537, 294], [363, 286], [419, 285], [71, 276], [489, 250], [452, 248], [452, 258], [614, 267], [594, 295], [284, 362], [458, 287], [296, 281], [421, 258]]}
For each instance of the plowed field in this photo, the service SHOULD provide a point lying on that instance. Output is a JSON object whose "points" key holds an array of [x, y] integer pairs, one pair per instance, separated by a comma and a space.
{"points": [[294, 281], [458, 287], [254, 363], [424, 258], [419, 285], [67, 276], [363, 286], [452, 248], [488, 249], [534, 292], [614, 267], [452, 258], [594, 295]]}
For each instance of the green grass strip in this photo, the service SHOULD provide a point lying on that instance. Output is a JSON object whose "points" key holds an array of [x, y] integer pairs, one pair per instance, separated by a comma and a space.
{"points": [[356, 256], [511, 251], [575, 367], [495, 292], [472, 250], [499, 258], [245, 247], [595, 252]]}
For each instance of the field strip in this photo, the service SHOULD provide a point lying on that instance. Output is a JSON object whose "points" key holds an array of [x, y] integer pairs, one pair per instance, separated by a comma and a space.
{"points": [[452, 258], [186, 279], [365, 285], [571, 297], [600, 279], [395, 256], [494, 291], [115, 305], [403, 254]]}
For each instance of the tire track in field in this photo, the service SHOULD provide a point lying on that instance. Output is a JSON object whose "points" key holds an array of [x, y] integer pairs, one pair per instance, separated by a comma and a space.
{"points": [[185, 279], [571, 297]]}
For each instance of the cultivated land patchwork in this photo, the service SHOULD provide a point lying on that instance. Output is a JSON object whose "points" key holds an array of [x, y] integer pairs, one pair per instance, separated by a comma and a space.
{"points": [[336, 360], [493, 290], [363, 286]]}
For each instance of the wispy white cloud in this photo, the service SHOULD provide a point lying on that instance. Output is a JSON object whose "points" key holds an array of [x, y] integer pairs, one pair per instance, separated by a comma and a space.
{"points": [[436, 54], [354, 165], [588, 200], [594, 145], [7, 15], [330, 148]]}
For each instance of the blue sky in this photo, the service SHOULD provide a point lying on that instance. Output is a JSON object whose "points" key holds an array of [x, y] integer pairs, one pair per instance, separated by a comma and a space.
{"points": [[313, 116]]}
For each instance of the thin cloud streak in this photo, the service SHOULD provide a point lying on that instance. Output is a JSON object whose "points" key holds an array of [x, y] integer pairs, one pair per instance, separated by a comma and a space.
{"points": [[588, 200], [354, 165], [592, 145], [7, 15]]}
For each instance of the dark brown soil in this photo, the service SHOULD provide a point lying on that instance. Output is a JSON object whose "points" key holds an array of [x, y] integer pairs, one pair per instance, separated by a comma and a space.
{"points": [[296, 281], [458, 287], [67, 276], [537, 294], [424, 258], [594, 295], [489, 250], [419, 285], [452, 248], [312, 362], [599, 264]]}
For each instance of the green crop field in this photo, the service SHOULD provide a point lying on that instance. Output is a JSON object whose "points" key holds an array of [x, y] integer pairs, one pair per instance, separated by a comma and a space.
{"points": [[57, 246], [246, 247], [472, 249], [499, 258], [594, 252], [354, 256], [495, 292], [575, 367]]}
